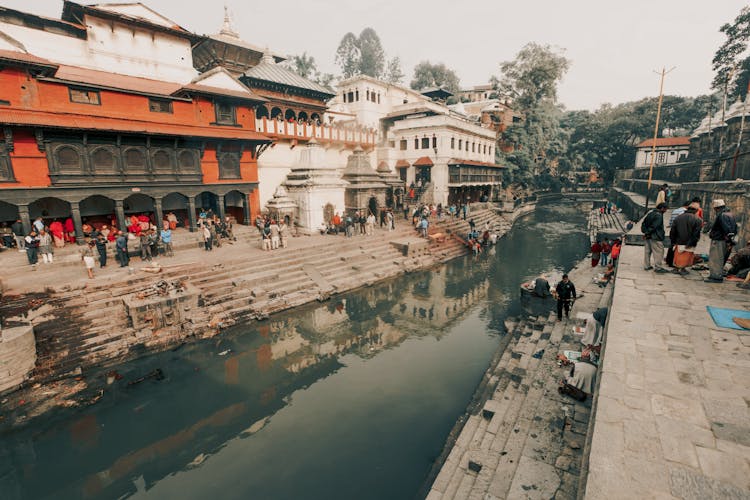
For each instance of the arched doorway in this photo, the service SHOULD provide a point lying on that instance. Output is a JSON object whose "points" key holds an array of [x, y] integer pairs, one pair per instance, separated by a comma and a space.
{"points": [[234, 206], [207, 201], [302, 116], [372, 206], [261, 112], [49, 209], [290, 115], [276, 113], [328, 213], [315, 119], [139, 204], [177, 204], [98, 210]]}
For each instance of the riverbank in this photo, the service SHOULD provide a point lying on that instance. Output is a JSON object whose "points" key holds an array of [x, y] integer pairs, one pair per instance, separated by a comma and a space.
{"points": [[520, 438], [672, 418], [79, 331]]}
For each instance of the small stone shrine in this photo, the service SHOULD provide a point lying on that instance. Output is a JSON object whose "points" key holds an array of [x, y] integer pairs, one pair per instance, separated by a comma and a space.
{"points": [[162, 305], [282, 207], [366, 189]]}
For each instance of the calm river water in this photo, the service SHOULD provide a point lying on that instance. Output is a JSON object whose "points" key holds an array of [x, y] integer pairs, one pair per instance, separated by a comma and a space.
{"points": [[353, 398]]}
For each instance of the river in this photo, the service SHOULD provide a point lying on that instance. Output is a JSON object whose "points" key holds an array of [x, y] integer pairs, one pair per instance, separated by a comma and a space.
{"points": [[352, 398]]}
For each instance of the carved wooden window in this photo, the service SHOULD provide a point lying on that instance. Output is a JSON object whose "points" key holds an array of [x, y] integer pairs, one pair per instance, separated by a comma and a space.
{"points": [[187, 160], [159, 105], [135, 158], [6, 169], [425, 143], [68, 159], [103, 158], [225, 113], [162, 160], [83, 96], [402, 145], [229, 165]]}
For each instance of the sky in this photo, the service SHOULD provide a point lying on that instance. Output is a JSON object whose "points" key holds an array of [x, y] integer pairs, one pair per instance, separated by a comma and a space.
{"points": [[615, 47]]}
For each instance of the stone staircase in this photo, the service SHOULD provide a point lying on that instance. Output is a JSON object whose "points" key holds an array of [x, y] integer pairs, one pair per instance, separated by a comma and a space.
{"points": [[80, 327], [520, 438]]}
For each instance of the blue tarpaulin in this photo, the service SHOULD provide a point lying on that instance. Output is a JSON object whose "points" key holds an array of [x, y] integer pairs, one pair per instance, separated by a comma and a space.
{"points": [[723, 317]]}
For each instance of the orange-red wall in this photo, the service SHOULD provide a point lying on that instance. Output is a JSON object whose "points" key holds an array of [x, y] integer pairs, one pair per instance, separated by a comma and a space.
{"points": [[30, 165]]}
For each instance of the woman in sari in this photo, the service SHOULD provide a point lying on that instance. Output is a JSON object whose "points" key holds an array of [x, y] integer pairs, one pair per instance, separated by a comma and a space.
{"points": [[58, 235], [70, 230]]}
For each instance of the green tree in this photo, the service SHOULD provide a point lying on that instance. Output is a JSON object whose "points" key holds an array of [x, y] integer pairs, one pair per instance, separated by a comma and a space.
{"points": [[533, 76], [427, 75], [347, 55], [361, 55], [531, 80], [303, 65], [371, 54], [731, 62], [393, 73]]}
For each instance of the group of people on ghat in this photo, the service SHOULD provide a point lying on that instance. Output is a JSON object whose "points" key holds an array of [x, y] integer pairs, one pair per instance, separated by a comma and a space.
{"points": [[360, 222], [273, 234], [214, 230], [686, 223]]}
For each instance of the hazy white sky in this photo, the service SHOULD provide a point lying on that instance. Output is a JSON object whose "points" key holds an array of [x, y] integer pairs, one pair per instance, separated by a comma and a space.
{"points": [[614, 45]]}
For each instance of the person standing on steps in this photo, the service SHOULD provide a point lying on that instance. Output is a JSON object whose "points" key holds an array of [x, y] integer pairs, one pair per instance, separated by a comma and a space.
{"points": [[606, 248], [684, 236], [101, 248], [565, 292], [722, 234], [87, 256], [121, 246], [652, 228]]}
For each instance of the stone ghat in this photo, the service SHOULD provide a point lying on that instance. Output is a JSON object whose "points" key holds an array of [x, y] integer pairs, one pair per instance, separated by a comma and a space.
{"points": [[105, 324], [520, 438]]}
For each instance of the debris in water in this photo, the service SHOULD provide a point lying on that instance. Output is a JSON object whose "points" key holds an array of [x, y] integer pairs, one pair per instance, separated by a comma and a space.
{"points": [[224, 353], [156, 375], [197, 460]]}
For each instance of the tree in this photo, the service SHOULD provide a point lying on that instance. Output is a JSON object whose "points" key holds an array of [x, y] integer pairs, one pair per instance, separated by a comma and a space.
{"points": [[531, 80], [303, 65], [427, 75], [361, 55], [533, 75], [393, 73], [347, 55], [731, 62], [371, 54]]}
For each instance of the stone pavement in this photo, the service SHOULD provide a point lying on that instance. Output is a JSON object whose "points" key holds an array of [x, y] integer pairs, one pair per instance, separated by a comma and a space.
{"points": [[672, 417]]}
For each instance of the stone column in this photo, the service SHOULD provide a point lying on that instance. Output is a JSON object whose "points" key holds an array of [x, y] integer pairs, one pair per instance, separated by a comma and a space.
{"points": [[220, 206], [246, 209], [23, 214], [191, 213], [76, 214], [158, 213], [120, 214]]}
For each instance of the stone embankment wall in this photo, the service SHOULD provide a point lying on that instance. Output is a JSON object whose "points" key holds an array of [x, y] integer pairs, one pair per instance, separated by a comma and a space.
{"points": [[78, 329], [17, 354]]}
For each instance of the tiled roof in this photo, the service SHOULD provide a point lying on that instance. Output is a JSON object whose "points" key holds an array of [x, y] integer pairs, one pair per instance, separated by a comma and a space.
{"points": [[665, 141], [24, 57], [11, 116], [423, 161], [402, 164], [271, 72], [207, 89], [73, 74], [473, 163]]}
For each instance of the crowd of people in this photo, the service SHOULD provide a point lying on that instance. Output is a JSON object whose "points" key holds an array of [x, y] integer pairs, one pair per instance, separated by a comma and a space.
{"points": [[273, 234]]}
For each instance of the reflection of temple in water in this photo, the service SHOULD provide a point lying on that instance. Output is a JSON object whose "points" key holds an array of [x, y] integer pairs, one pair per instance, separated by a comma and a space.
{"points": [[265, 364]]}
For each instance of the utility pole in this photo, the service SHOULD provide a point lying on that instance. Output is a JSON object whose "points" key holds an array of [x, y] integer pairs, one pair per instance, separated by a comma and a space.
{"points": [[656, 130], [724, 107]]}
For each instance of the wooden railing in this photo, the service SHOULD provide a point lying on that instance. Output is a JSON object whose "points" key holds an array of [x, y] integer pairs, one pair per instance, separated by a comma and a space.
{"points": [[323, 133]]}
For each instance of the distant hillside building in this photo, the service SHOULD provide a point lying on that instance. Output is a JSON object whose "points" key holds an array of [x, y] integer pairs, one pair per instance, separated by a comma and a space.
{"points": [[668, 150]]}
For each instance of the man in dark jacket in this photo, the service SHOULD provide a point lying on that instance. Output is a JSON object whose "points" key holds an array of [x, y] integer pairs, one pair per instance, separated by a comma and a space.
{"points": [[686, 231], [652, 228], [566, 294], [722, 233], [121, 246]]}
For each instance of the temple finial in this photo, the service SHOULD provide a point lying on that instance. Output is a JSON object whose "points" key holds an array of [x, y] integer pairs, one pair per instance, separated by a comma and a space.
{"points": [[227, 28]]}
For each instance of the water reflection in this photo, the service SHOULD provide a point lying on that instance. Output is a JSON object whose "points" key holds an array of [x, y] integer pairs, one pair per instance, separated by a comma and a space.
{"points": [[351, 398]]}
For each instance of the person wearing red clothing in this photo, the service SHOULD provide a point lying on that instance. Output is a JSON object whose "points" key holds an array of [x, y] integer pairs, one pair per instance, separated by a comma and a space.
{"points": [[606, 248], [596, 251]]}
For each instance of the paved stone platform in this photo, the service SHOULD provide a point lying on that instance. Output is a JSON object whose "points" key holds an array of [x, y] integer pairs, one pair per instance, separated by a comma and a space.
{"points": [[672, 417]]}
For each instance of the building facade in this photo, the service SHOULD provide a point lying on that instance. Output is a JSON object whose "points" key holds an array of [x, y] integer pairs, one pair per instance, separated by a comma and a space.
{"points": [[668, 150], [157, 136], [445, 152]]}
